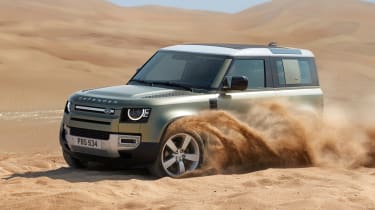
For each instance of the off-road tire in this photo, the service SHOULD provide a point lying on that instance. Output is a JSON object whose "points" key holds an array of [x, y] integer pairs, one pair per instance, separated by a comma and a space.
{"points": [[195, 147], [73, 162]]}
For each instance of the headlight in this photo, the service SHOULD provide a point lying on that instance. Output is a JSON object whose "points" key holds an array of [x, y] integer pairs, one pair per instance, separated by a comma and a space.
{"points": [[68, 107], [136, 114]]}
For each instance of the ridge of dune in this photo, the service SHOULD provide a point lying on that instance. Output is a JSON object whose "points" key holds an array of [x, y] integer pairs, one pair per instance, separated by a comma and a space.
{"points": [[290, 15]]}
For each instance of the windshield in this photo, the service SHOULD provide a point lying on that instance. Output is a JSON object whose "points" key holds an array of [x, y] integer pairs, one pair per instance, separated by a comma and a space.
{"points": [[188, 70]]}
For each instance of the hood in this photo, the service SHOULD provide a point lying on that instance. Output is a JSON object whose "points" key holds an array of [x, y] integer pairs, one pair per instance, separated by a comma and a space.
{"points": [[134, 91]]}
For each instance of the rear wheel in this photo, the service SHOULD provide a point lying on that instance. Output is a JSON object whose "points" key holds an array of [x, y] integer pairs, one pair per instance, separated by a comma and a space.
{"points": [[74, 162], [180, 152]]}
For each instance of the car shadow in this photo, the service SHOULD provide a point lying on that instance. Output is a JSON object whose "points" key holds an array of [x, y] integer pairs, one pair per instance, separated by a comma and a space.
{"points": [[89, 175]]}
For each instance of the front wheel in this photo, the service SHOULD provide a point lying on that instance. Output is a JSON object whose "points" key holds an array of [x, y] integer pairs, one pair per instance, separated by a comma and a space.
{"points": [[73, 162], [180, 152]]}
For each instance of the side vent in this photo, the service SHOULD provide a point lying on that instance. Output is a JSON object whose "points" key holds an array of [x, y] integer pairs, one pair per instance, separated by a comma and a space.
{"points": [[170, 94]]}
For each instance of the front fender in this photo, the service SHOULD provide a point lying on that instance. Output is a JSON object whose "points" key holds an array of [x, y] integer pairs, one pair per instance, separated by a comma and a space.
{"points": [[154, 130]]}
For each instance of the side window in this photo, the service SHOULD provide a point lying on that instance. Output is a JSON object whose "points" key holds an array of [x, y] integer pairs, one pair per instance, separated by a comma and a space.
{"points": [[253, 69], [295, 71], [306, 72]]}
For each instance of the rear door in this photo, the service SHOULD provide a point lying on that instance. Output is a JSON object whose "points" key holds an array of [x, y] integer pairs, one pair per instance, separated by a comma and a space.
{"points": [[296, 79]]}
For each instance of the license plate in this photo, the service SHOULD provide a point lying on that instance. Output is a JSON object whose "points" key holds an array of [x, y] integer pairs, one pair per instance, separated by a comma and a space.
{"points": [[88, 143]]}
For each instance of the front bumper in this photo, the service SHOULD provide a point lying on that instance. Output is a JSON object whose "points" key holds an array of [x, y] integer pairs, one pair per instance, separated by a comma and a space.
{"points": [[112, 150]]}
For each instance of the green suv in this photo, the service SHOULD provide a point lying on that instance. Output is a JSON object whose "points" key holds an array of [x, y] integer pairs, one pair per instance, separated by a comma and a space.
{"points": [[127, 125]]}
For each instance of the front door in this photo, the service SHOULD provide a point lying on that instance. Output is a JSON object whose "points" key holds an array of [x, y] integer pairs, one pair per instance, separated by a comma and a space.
{"points": [[260, 86]]}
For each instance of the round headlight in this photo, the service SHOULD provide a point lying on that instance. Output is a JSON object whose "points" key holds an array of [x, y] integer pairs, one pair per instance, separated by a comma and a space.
{"points": [[68, 107], [136, 114]]}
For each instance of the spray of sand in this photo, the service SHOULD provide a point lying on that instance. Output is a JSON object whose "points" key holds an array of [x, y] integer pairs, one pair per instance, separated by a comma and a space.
{"points": [[274, 134]]}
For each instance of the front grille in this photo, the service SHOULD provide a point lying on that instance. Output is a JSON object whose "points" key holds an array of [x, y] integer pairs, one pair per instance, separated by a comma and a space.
{"points": [[94, 134], [100, 110]]}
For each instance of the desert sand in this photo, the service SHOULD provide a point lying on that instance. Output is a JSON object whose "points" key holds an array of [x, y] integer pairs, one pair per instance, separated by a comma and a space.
{"points": [[49, 49]]}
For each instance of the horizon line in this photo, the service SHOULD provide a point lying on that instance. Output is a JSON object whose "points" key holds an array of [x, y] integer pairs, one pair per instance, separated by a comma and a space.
{"points": [[221, 7]]}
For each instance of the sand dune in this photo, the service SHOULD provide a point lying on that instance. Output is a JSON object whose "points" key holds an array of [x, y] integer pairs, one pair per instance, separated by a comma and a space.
{"points": [[48, 184], [49, 49]]}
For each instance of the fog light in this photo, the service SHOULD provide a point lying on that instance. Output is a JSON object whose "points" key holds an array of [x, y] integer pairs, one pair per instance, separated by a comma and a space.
{"points": [[129, 141]]}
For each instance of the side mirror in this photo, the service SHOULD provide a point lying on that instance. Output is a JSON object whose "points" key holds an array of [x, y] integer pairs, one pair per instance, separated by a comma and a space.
{"points": [[235, 83]]}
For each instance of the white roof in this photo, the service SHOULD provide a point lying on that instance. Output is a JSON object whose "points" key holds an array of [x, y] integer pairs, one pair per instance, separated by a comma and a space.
{"points": [[241, 51]]}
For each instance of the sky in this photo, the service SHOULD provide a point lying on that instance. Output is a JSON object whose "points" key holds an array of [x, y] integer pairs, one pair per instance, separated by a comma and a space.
{"points": [[228, 6]]}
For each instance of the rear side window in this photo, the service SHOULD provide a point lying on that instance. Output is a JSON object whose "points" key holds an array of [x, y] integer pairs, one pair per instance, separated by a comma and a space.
{"points": [[296, 72], [253, 69]]}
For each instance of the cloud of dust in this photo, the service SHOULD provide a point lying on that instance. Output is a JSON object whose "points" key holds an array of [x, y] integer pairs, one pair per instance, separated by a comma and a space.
{"points": [[275, 134]]}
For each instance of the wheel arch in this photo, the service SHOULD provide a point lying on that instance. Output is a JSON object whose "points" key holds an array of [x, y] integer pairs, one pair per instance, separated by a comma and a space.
{"points": [[156, 168], [168, 119]]}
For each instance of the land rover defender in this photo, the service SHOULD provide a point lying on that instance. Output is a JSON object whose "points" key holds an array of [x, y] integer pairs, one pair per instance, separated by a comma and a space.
{"points": [[127, 124]]}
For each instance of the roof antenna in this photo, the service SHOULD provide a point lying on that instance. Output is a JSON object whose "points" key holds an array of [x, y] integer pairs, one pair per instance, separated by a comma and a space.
{"points": [[272, 44]]}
